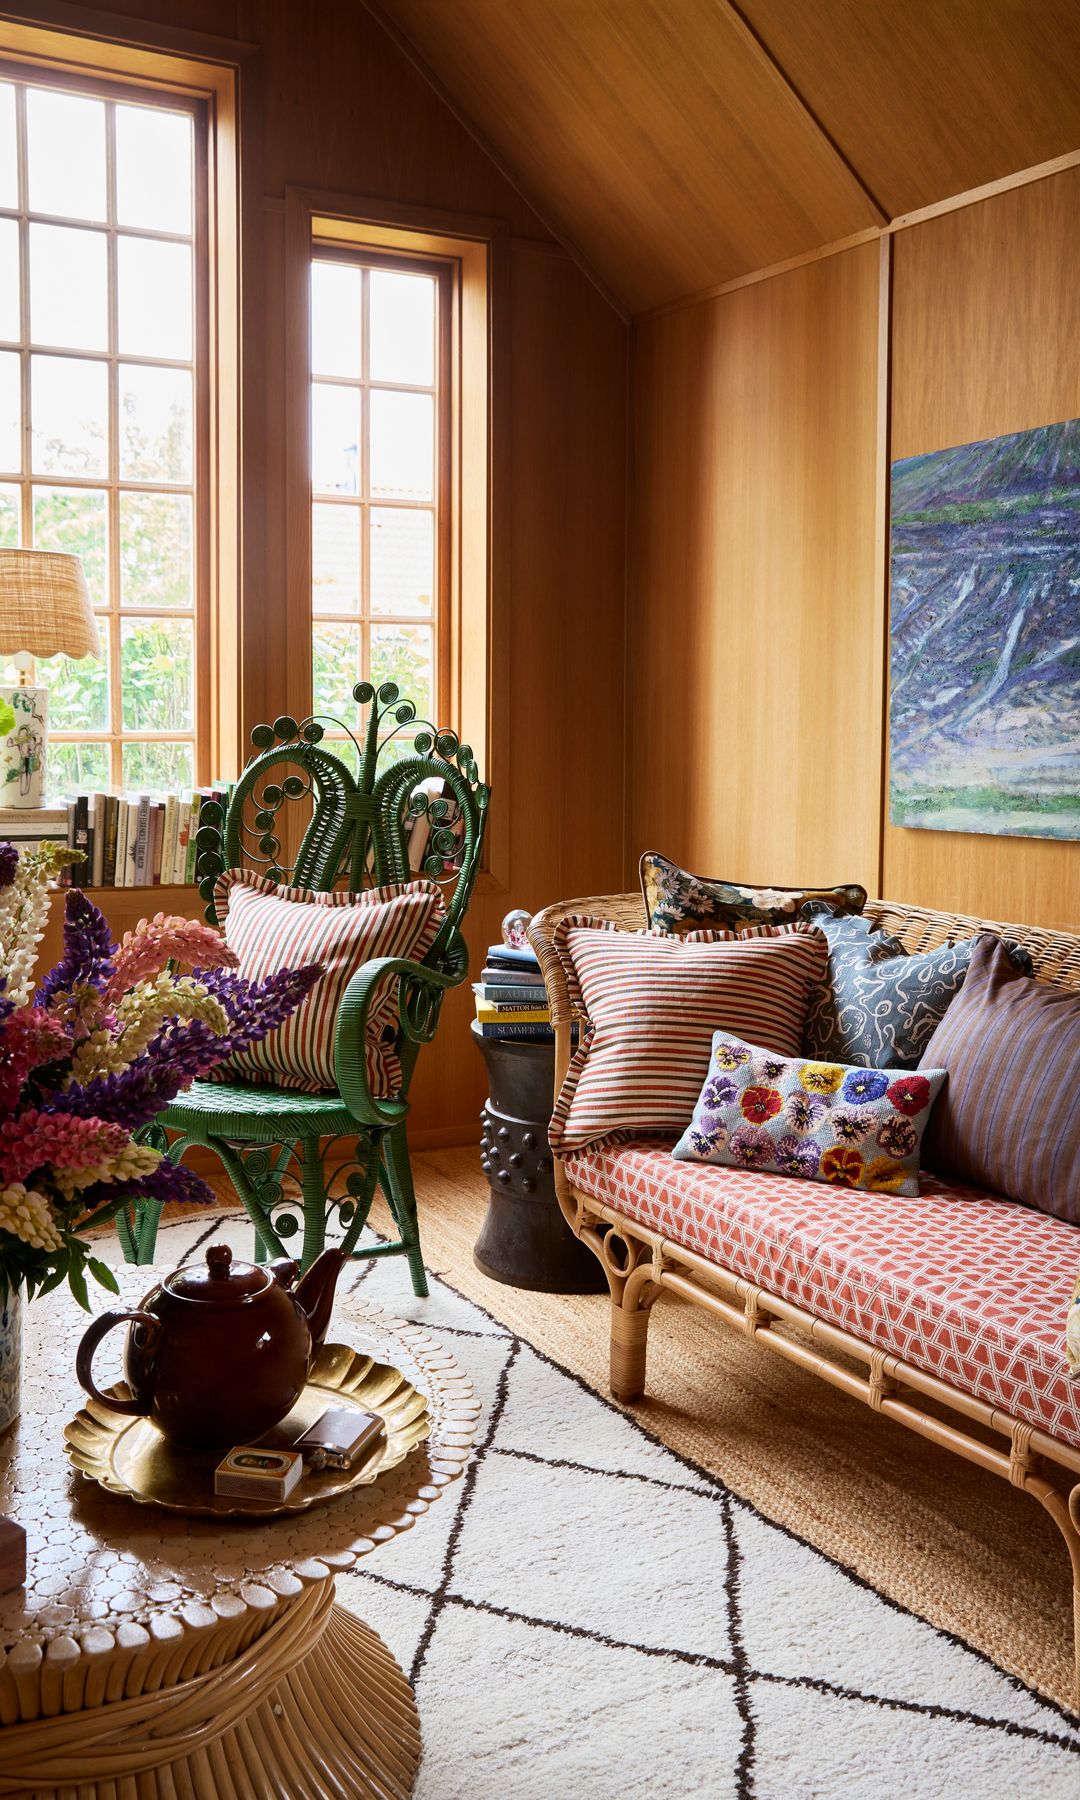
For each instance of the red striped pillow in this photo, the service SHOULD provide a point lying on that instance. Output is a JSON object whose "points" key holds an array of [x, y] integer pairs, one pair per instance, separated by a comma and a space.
{"points": [[653, 1002], [273, 928]]}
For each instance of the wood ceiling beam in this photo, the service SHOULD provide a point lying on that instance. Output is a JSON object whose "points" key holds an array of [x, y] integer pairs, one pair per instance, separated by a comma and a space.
{"points": [[759, 48]]}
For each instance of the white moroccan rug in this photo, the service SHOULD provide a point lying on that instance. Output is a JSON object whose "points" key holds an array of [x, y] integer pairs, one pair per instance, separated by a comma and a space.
{"points": [[587, 1615]]}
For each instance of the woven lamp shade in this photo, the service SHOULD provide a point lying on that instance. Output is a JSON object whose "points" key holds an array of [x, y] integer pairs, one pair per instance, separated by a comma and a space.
{"points": [[44, 605]]}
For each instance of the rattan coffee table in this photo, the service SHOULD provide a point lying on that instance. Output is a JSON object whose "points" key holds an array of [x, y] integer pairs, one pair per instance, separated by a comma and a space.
{"points": [[152, 1654]]}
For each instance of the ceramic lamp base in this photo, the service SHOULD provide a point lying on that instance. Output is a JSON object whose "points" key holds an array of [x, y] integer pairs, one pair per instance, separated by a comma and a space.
{"points": [[22, 746]]}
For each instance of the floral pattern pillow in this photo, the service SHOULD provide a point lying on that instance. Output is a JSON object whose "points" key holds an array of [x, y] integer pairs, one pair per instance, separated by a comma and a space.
{"points": [[823, 1121], [678, 902]]}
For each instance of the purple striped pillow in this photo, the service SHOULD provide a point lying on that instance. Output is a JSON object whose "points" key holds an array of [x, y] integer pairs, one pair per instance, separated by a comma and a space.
{"points": [[273, 928], [1007, 1119], [653, 1002]]}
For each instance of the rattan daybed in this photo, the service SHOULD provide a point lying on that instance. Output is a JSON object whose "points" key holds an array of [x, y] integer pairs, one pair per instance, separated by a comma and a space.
{"points": [[954, 1304]]}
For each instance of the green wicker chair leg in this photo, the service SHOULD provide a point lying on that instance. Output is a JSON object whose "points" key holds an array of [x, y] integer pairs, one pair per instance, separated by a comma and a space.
{"points": [[267, 1241], [397, 1185], [361, 1202], [313, 1188], [149, 1217], [126, 1231], [138, 1232]]}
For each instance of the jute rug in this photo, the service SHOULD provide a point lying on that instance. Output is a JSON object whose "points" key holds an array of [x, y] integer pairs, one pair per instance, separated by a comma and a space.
{"points": [[958, 1547], [589, 1612]]}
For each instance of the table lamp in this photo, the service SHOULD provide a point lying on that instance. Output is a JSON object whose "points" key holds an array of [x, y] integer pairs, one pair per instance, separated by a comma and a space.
{"points": [[44, 611]]}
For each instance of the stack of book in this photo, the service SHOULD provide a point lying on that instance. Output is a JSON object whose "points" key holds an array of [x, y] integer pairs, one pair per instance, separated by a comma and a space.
{"points": [[511, 999], [139, 840]]}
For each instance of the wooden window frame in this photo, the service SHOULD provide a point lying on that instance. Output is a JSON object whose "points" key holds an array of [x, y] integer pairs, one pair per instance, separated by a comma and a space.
{"points": [[438, 620], [45, 54], [473, 685], [113, 483]]}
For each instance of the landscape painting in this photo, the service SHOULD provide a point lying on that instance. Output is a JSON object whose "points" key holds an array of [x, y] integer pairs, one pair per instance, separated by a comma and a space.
{"points": [[985, 636]]}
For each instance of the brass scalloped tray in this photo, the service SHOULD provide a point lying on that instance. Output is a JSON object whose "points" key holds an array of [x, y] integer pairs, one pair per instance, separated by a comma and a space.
{"points": [[130, 1457]]}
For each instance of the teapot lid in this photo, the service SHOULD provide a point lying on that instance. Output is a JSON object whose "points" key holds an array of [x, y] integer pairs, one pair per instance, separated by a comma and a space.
{"points": [[222, 1282]]}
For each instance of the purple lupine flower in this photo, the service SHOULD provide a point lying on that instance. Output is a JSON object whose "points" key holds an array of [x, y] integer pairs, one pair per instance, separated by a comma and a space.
{"points": [[255, 1008], [134, 1097], [168, 1182], [185, 1049], [9, 862], [88, 950]]}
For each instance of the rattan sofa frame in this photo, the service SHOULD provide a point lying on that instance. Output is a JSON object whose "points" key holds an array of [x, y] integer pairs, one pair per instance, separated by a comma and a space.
{"points": [[641, 1266]]}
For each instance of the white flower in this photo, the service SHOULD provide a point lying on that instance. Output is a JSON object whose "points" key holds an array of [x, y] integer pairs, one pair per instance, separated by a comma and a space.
{"points": [[27, 1215], [24, 912]]}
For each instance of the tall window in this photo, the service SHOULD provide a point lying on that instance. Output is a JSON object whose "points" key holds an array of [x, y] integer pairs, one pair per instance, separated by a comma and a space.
{"points": [[102, 293], [379, 456]]}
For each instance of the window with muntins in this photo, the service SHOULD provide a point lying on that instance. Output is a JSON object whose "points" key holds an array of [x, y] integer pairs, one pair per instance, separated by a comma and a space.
{"points": [[103, 279], [379, 478]]}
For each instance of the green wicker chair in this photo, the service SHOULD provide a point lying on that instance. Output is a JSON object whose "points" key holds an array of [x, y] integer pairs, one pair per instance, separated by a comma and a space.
{"points": [[296, 1158]]}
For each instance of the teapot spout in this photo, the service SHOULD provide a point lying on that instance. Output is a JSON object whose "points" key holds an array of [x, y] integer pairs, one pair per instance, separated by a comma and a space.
{"points": [[314, 1292]]}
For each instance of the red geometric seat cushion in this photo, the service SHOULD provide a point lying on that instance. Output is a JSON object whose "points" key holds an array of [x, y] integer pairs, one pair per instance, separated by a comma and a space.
{"points": [[963, 1285]]}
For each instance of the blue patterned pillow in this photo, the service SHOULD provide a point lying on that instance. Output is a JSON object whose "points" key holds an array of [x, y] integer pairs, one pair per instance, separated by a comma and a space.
{"points": [[821, 1121], [877, 1006]]}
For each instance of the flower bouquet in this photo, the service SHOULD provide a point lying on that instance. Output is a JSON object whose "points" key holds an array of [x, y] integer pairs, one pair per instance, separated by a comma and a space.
{"points": [[111, 1036]]}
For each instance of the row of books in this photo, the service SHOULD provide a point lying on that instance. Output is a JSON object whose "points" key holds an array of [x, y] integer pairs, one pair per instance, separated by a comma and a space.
{"points": [[511, 999], [136, 841]]}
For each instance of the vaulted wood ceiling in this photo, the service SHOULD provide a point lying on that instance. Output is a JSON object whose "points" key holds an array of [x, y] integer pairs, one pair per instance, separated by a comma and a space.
{"points": [[678, 144]]}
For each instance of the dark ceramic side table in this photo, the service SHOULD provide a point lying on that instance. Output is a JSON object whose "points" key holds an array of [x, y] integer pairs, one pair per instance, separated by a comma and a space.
{"points": [[525, 1241]]}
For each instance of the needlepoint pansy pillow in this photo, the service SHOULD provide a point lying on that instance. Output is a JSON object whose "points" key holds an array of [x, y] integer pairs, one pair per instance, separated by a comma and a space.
{"points": [[878, 1006], [678, 902], [823, 1121]]}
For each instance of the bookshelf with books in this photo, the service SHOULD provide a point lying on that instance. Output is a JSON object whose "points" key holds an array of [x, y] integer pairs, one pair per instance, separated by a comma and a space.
{"points": [[129, 840]]}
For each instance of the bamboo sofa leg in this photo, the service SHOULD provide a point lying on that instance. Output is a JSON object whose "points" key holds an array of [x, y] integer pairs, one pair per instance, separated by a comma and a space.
{"points": [[628, 1267], [1068, 1523], [629, 1348]]}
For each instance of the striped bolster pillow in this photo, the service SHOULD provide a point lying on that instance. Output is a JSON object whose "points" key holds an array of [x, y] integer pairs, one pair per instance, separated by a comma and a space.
{"points": [[273, 928], [1008, 1119], [653, 1002]]}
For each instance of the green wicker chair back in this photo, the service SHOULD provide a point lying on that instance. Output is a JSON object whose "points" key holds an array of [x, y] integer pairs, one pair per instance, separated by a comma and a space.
{"points": [[321, 807]]}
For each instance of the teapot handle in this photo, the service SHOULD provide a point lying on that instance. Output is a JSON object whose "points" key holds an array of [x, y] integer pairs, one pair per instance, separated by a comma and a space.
{"points": [[85, 1356]]}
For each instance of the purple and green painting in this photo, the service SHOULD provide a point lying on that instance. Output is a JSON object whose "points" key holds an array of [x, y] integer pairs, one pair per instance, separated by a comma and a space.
{"points": [[984, 701]]}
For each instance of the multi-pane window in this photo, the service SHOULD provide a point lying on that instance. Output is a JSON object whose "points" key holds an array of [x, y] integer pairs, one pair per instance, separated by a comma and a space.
{"points": [[101, 274], [377, 480]]}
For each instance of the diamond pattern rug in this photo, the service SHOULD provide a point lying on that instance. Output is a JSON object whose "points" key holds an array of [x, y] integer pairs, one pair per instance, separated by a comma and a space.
{"points": [[591, 1613]]}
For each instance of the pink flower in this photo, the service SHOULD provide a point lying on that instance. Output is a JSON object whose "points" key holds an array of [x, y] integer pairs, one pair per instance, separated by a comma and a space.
{"points": [[28, 1038], [37, 1140], [163, 939]]}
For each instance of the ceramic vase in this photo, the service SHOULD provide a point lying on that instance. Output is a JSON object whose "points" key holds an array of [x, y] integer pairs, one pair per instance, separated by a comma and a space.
{"points": [[10, 1357], [22, 750]]}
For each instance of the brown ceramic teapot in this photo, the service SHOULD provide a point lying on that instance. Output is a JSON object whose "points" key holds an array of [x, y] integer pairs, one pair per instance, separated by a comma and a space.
{"points": [[216, 1355]]}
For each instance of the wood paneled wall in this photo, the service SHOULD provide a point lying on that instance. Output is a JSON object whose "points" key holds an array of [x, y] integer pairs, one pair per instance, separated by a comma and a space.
{"points": [[327, 100], [758, 633], [986, 340], [754, 699]]}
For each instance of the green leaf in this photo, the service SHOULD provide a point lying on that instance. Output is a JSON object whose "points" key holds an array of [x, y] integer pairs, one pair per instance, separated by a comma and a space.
{"points": [[103, 1275], [77, 1284]]}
